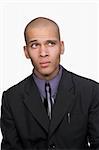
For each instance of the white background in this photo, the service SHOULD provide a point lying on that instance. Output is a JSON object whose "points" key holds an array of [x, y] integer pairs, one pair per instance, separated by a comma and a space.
{"points": [[79, 25]]}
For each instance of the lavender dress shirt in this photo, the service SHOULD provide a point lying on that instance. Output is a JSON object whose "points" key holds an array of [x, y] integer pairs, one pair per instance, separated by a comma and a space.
{"points": [[53, 83]]}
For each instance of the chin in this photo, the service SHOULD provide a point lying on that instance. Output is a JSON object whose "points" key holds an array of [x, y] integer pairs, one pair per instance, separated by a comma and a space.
{"points": [[47, 73], [45, 70]]}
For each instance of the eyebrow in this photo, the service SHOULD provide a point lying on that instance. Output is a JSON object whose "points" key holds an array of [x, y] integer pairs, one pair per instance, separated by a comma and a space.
{"points": [[51, 41], [32, 41]]}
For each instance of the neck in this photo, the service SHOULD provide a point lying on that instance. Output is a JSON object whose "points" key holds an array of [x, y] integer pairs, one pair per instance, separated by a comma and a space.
{"points": [[46, 76]]}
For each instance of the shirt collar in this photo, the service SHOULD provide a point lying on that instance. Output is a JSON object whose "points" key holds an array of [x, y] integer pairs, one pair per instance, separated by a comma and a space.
{"points": [[53, 83]]}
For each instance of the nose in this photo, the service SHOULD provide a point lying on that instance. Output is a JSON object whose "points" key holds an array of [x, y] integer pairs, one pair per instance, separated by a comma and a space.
{"points": [[43, 51]]}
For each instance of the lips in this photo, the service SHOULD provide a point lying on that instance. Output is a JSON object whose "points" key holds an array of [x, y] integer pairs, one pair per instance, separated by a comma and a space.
{"points": [[44, 64]]}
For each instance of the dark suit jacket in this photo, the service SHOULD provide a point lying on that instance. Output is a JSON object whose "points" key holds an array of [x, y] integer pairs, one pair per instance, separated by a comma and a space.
{"points": [[75, 117]]}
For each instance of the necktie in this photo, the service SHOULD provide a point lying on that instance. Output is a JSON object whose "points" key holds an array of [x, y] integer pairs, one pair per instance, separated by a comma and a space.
{"points": [[48, 101]]}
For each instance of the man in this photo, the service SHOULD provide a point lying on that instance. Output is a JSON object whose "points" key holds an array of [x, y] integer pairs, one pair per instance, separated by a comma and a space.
{"points": [[52, 108]]}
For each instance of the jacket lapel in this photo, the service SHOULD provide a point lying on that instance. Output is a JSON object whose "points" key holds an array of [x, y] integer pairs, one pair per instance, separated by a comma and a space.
{"points": [[34, 104], [64, 100]]}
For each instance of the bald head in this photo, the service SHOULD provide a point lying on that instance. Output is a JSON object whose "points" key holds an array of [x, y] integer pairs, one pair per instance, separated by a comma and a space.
{"points": [[41, 22]]}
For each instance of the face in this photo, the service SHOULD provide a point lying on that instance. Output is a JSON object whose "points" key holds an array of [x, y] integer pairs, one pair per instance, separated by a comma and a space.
{"points": [[44, 49]]}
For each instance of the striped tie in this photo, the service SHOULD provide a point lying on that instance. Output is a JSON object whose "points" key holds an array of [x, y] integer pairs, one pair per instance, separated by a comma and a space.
{"points": [[48, 100]]}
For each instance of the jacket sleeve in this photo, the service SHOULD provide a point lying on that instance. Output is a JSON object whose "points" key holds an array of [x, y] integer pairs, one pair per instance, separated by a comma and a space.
{"points": [[10, 140], [93, 123]]}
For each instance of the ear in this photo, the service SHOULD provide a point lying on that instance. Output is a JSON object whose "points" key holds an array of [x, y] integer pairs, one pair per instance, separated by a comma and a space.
{"points": [[26, 52], [62, 47]]}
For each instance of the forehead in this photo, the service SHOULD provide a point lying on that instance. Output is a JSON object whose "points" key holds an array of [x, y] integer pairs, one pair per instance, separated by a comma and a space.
{"points": [[42, 33]]}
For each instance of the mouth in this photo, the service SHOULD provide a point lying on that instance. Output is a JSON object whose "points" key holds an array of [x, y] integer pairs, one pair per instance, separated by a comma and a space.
{"points": [[44, 64]]}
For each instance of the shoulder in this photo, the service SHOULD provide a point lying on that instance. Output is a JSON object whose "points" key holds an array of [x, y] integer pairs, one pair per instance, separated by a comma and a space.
{"points": [[81, 81], [19, 87]]}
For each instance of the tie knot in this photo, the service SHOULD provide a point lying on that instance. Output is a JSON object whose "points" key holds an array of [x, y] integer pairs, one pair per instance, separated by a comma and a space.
{"points": [[47, 84], [47, 87]]}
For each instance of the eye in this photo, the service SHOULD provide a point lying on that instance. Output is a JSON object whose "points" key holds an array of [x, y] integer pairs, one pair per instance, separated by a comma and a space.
{"points": [[51, 43], [34, 45]]}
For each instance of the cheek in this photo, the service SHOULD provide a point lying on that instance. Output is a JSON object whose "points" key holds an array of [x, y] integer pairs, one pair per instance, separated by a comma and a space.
{"points": [[33, 56], [34, 60], [55, 57]]}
